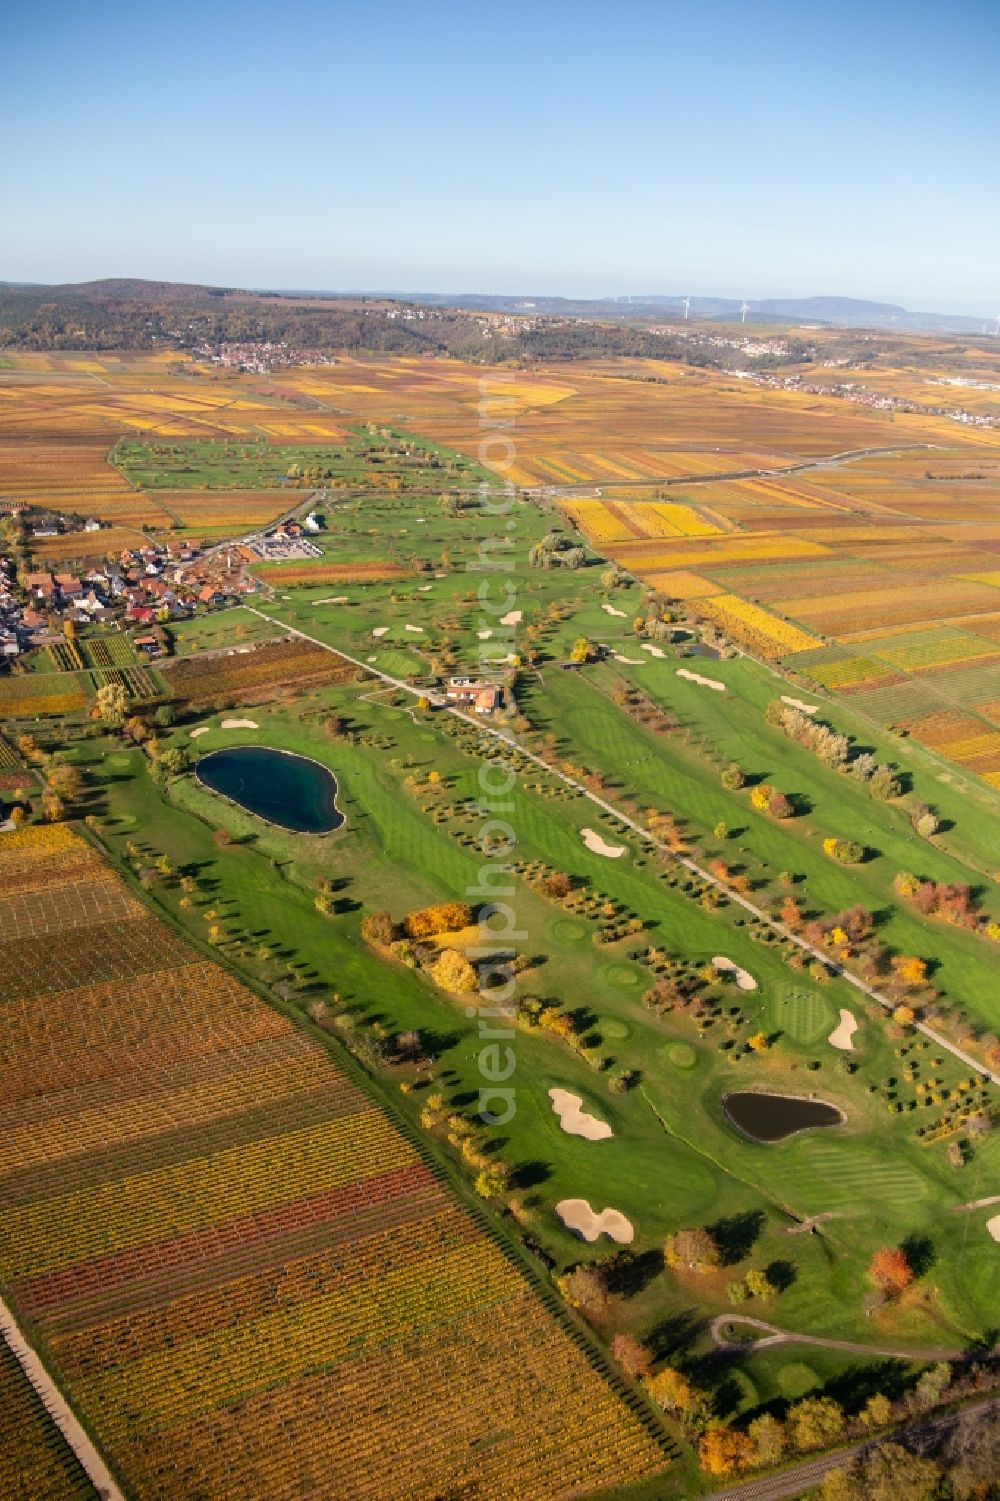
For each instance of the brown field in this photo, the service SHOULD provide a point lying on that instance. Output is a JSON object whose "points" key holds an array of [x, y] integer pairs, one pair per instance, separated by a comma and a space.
{"points": [[329, 573], [254, 674]]}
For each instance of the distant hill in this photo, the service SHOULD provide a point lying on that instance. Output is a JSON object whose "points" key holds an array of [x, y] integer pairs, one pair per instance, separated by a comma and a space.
{"points": [[833, 312], [127, 312]]}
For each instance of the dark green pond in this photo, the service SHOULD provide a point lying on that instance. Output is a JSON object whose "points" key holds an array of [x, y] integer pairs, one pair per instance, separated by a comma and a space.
{"points": [[288, 790], [772, 1117]]}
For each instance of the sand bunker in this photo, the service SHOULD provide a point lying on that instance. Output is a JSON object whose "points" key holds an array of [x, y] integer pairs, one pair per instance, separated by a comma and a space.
{"points": [[512, 617], [424, 588], [654, 651], [696, 677], [629, 661], [335, 599], [381, 630], [796, 703], [744, 980], [610, 610], [416, 630], [599, 846], [845, 1029], [202, 729], [240, 724], [576, 1214], [993, 1226], [576, 1121], [484, 635]]}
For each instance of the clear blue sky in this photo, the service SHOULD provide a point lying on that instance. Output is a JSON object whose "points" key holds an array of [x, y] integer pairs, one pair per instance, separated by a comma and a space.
{"points": [[742, 147]]}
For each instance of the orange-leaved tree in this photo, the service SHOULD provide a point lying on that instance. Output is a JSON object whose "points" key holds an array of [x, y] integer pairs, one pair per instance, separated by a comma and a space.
{"points": [[890, 1270], [723, 1450]]}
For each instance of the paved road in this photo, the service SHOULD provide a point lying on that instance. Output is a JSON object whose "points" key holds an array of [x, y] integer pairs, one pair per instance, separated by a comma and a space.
{"points": [[58, 1408], [649, 840]]}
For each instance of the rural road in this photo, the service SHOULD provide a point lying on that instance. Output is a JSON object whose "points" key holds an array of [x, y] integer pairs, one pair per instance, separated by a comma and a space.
{"points": [[647, 838], [794, 1482], [58, 1408]]}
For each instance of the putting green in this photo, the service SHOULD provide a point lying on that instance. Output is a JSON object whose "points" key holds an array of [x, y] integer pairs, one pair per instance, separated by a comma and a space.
{"points": [[621, 974], [680, 1054], [805, 1015], [796, 1378], [568, 930], [613, 1030]]}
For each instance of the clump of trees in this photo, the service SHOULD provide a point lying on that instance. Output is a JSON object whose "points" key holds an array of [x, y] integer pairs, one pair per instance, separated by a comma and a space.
{"points": [[555, 550], [844, 851], [442, 917], [768, 799], [833, 749], [924, 820], [952, 901]]}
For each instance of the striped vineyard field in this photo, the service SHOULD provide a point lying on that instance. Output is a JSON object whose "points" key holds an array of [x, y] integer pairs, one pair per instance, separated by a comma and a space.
{"points": [[35, 1462], [137, 682], [108, 651], [248, 1281]]}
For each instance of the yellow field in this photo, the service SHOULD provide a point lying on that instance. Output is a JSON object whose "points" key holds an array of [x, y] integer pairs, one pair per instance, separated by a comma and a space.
{"points": [[756, 627]]}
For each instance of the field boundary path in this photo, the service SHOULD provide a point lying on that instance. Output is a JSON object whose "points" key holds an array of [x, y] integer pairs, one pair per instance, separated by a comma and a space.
{"points": [[772, 1335], [831, 461], [648, 839], [58, 1409]]}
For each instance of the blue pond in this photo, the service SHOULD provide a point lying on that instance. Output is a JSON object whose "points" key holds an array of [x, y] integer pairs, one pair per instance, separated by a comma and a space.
{"points": [[291, 791]]}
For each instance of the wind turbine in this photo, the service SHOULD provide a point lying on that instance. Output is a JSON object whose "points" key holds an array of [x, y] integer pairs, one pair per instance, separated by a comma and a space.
{"points": [[687, 308], [997, 328], [746, 308]]}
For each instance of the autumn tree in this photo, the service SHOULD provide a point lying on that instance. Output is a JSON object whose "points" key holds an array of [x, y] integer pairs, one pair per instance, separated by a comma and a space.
{"points": [[671, 1390], [111, 703], [734, 777], [931, 1386], [585, 1287], [633, 1357], [444, 917], [910, 970], [886, 1472], [378, 929], [722, 1450], [493, 1180], [66, 781], [877, 1412], [696, 1249], [815, 1423], [452, 971], [890, 1271], [767, 1435], [759, 1284]]}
